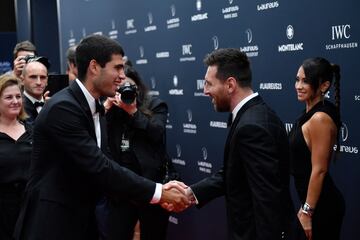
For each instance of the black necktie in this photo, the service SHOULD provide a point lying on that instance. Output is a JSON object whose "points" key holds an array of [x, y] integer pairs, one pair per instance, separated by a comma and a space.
{"points": [[230, 119], [38, 104], [99, 108]]}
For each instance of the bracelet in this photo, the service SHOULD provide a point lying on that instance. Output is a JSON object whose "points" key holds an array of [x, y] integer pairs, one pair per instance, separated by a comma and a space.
{"points": [[307, 209]]}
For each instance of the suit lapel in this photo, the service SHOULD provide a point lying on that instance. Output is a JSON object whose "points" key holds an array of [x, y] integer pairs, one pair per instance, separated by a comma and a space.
{"points": [[252, 102], [80, 98], [30, 108]]}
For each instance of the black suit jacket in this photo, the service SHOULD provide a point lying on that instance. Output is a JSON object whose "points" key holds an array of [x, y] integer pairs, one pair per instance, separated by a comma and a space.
{"points": [[254, 177], [146, 135], [30, 110], [69, 172]]}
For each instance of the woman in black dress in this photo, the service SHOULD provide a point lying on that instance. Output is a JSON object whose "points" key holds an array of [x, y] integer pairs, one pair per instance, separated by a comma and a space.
{"points": [[312, 142], [15, 151]]}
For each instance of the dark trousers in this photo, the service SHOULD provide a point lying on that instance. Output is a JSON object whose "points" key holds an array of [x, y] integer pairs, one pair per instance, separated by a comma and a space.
{"points": [[10, 204], [120, 217]]}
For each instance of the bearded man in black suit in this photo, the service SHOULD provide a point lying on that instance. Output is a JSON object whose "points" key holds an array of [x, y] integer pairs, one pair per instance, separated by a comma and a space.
{"points": [[255, 173]]}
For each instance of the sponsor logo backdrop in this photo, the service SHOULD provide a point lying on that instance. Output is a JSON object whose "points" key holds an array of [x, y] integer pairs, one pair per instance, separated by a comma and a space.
{"points": [[167, 41]]}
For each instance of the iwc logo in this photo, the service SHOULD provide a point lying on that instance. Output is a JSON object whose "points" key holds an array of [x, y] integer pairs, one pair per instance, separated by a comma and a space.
{"points": [[130, 27], [341, 35]]}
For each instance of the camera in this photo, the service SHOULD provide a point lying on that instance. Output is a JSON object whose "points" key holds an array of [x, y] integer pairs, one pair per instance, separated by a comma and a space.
{"points": [[41, 59], [128, 92]]}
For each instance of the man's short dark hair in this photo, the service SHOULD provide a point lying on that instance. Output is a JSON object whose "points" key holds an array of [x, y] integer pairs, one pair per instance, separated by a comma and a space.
{"points": [[231, 62], [24, 46], [97, 47]]}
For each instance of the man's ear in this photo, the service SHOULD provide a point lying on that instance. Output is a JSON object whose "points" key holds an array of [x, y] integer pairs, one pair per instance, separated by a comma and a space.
{"points": [[93, 67], [231, 84]]}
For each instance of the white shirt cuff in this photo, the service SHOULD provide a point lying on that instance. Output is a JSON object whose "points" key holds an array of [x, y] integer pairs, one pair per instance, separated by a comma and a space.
{"points": [[157, 194]]}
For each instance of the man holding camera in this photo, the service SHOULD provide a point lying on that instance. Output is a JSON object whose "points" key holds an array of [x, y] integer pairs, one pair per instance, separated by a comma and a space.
{"points": [[34, 77], [21, 50]]}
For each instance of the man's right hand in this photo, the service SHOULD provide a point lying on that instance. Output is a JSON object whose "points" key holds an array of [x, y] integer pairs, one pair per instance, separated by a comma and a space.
{"points": [[173, 197], [19, 64]]}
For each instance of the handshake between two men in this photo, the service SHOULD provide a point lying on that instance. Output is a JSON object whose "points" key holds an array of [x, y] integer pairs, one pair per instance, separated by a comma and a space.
{"points": [[176, 196]]}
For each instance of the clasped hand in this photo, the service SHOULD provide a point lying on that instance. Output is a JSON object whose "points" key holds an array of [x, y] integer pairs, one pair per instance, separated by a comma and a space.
{"points": [[176, 196]]}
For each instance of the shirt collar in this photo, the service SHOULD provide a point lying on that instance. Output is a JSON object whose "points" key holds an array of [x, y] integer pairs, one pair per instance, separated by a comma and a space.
{"points": [[242, 103], [89, 98], [32, 99]]}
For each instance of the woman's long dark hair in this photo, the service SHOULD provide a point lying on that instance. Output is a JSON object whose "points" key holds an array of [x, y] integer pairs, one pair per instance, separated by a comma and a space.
{"points": [[143, 98], [318, 70]]}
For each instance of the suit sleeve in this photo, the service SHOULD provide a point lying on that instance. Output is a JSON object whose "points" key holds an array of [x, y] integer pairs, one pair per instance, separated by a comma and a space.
{"points": [[69, 127], [154, 125], [209, 188], [260, 157]]}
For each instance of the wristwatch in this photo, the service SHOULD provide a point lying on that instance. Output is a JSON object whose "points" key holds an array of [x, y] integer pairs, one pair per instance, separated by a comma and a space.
{"points": [[307, 209]]}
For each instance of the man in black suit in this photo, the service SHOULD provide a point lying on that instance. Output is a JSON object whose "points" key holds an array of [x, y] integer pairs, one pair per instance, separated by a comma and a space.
{"points": [[69, 170], [34, 78], [255, 173]]}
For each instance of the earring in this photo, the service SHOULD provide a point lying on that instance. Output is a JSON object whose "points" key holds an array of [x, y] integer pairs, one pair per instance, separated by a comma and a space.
{"points": [[322, 96]]}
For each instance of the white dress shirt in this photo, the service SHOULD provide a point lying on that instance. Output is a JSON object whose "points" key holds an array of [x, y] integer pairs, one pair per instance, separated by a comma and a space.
{"points": [[96, 118]]}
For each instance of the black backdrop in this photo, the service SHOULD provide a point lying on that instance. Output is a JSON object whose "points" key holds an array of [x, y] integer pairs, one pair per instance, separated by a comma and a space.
{"points": [[167, 41]]}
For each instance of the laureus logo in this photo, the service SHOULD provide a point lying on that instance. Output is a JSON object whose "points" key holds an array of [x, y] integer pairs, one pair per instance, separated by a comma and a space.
{"points": [[231, 1], [204, 153], [142, 52], [153, 83], [249, 35], [173, 10], [175, 81], [216, 42], [344, 132], [198, 5], [189, 115], [290, 32], [150, 18], [84, 32], [178, 150], [113, 24]]}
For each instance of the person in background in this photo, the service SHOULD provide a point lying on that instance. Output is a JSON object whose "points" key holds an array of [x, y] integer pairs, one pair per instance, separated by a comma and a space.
{"points": [[15, 152], [21, 50], [137, 140], [311, 149], [71, 63], [34, 79]]}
